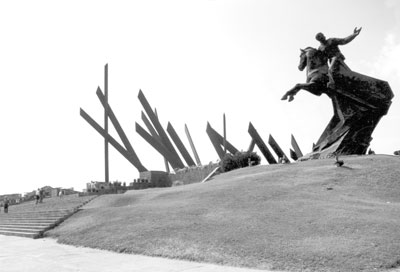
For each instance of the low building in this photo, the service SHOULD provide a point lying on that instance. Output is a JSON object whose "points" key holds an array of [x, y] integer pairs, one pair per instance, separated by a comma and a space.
{"points": [[47, 191], [29, 196], [97, 186], [101, 187], [12, 198]]}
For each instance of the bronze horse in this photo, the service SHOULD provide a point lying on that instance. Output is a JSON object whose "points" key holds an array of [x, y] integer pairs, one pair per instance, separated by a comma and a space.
{"points": [[358, 101], [317, 73]]}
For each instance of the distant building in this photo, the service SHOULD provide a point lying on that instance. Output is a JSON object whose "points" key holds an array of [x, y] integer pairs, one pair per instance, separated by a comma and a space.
{"points": [[29, 195], [64, 191], [50, 192], [13, 198], [47, 191], [97, 186], [105, 187], [54, 192]]}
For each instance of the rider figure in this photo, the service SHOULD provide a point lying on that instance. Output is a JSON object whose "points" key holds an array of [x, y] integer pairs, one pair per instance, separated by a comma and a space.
{"points": [[330, 47]]}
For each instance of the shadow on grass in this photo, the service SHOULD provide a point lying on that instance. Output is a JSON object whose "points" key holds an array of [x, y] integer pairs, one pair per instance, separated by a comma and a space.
{"points": [[394, 264], [346, 167]]}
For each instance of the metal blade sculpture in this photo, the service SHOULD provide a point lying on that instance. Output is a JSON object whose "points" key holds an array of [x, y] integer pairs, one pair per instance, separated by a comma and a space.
{"points": [[261, 145], [116, 123], [165, 160], [106, 159], [296, 148], [215, 142], [128, 151], [150, 127], [293, 155], [157, 145], [218, 142], [161, 143], [153, 132], [278, 150], [251, 145], [178, 143], [192, 146], [131, 157]]}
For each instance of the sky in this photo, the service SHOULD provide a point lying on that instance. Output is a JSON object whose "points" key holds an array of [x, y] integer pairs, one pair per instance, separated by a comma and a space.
{"points": [[193, 60]]}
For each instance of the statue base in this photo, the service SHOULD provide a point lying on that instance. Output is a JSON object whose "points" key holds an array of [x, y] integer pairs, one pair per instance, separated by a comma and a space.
{"points": [[359, 102]]}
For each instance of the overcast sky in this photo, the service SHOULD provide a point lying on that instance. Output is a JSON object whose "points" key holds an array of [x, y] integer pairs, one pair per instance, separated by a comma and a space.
{"points": [[194, 61]]}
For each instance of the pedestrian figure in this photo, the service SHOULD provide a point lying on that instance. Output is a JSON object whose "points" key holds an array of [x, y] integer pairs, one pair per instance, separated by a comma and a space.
{"points": [[6, 203], [41, 194], [37, 195]]}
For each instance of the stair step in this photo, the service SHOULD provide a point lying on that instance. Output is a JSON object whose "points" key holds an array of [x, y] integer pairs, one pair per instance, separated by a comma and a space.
{"points": [[35, 213], [22, 226], [25, 224], [33, 220], [33, 235], [27, 211], [31, 217], [28, 218], [52, 223], [29, 221], [23, 229]]}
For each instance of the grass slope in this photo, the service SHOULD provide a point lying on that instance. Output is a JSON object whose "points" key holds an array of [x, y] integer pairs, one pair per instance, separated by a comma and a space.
{"points": [[308, 216]]}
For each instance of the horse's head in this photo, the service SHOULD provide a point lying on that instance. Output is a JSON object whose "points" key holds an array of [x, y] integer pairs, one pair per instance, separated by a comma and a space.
{"points": [[306, 53], [303, 59]]}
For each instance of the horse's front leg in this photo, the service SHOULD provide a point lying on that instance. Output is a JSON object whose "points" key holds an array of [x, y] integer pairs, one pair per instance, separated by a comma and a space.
{"points": [[293, 91]]}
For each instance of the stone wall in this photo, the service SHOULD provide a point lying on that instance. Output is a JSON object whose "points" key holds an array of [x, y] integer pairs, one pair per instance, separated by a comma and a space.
{"points": [[192, 174], [156, 178]]}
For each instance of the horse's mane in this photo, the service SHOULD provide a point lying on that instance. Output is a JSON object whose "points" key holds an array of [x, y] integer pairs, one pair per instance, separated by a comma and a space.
{"points": [[308, 48], [311, 51]]}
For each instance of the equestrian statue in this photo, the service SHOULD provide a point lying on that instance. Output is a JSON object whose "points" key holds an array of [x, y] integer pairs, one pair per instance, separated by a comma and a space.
{"points": [[359, 101]]}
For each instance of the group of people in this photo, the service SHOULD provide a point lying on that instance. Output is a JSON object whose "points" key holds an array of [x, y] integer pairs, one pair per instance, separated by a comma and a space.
{"points": [[39, 195], [283, 159], [5, 205]]}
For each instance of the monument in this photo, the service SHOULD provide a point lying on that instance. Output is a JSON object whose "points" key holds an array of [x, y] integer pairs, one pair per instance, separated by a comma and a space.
{"points": [[358, 101]]}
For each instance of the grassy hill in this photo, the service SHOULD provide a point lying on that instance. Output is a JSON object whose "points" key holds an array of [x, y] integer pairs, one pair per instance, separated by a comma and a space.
{"points": [[308, 216]]}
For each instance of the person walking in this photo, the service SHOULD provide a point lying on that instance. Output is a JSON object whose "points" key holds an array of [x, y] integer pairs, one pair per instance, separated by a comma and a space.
{"points": [[37, 195], [6, 203], [41, 195]]}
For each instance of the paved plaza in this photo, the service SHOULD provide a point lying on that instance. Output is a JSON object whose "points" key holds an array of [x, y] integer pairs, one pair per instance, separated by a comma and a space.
{"points": [[45, 255]]}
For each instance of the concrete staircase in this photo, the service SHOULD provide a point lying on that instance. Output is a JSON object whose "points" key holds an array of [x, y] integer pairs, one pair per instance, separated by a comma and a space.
{"points": [[33, 220]]}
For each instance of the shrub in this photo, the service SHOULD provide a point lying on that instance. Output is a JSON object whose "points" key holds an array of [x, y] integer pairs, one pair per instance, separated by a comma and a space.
{"points": [[239, 160]]}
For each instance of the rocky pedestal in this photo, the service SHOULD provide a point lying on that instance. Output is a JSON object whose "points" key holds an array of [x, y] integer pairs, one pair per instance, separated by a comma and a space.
{"points": [[359, 102]]}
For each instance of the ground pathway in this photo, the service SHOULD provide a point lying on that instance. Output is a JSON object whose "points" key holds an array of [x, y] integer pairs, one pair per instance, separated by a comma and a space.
{"points": [[45, 255], [32, 220]]}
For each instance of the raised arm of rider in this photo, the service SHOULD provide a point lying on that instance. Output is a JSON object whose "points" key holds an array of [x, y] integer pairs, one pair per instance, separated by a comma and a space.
{"points": [[349, 38]]}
